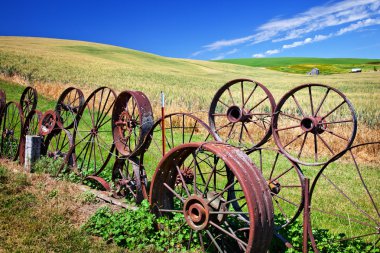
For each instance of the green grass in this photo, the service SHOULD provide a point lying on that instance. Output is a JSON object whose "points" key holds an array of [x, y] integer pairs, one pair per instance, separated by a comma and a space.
{"points": [[303, 65]]}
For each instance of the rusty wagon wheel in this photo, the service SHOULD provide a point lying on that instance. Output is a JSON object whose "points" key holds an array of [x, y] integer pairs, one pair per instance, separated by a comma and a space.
{"points": [[28, 100], [222, 176], [3, 100], [12, 121], [129, 179], [346, 201], [132, 118], [314, 122], [69, 104], [285, 182], [93, 142], [30, 128], [240, 113], [47, 123], [58, 145]]}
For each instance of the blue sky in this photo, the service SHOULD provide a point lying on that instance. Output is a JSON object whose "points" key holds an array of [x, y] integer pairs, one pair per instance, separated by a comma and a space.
{"points": [[207, 29]]}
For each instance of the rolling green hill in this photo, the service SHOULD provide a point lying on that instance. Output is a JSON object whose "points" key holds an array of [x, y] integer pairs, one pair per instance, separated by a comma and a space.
{"points": [[189, 85], [303, 65]]}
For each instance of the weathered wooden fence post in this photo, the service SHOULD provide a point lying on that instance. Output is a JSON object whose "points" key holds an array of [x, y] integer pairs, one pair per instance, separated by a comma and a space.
{"points": [[32, 151]]}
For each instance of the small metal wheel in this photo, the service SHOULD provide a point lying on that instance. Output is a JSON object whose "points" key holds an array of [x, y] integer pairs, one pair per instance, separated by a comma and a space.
{"points": [[345, 198], [132, 119], [58, 145], [240, 113], [219, 177], [3, 100], [12, 121], [47, 123], [93, 137], [30, 128], [285, 182], [313, 123], [69, 104], [129, 180], [180, 128], [28, 100]]}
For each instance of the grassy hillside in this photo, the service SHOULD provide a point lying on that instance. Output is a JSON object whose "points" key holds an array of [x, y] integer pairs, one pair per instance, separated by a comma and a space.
{"points": [[303, 65], [52, 64]]}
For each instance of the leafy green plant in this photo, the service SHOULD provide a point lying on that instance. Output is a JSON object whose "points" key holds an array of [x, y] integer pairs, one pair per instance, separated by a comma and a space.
{"points": [[138, 229]]}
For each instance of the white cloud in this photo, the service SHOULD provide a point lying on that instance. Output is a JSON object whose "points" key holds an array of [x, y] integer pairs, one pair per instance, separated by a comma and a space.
{"points": [[316, 38], [358, 25], [226, 43], [270, 52], [223, 55], [313, 20], [258, 56]]}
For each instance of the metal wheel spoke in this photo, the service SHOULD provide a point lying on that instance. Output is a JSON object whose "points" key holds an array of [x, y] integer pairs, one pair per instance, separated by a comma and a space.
{"points": [[175, 194], [354, 204], [259, 103], [298, 105], [333, 110], [325, 143], [183, 181]]}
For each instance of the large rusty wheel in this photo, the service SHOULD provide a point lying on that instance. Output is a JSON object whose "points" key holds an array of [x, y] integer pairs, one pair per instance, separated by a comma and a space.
{"points": [[12, 121], [180, 128], [314, 122], [3, 100], [69, 104], [58, 145], [240, 113], [28, 100], [132, 119], [345, 199], [30, 128], [93, 136], [221, 177], [129, 179], [285, 182]]}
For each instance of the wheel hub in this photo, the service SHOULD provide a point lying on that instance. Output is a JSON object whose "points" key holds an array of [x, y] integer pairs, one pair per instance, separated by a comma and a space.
{"points": [[313, 124], [94, 131], [274, 186], [236, 114], [196, 212]]}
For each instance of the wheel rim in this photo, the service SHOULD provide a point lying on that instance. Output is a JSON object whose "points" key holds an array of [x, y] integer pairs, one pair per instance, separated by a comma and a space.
{"points": [[311, 130], [356, 219], [93, 136], [240, 113], [11, 127], [69, 104], [28, 100], [132, 118], [204, 201]]}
